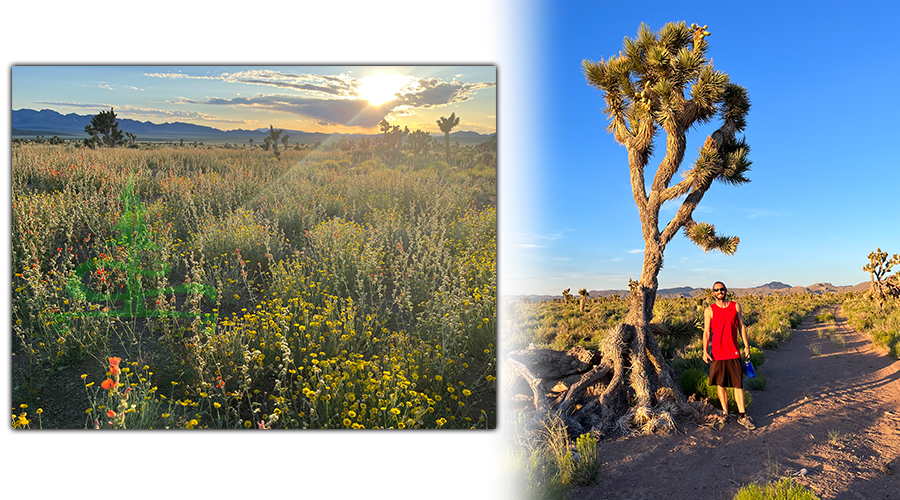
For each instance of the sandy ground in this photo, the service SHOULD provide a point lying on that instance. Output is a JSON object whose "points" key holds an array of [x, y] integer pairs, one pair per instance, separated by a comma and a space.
{"points": [[829, 417]]}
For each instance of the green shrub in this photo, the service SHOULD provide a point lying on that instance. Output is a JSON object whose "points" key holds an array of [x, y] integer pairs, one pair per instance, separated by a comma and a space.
{"points": [[588, 460], [757, 357], [757, 383], [786, 489], [825, 317], [692, 358], [544, 464], [713, 397], [694, 381]]}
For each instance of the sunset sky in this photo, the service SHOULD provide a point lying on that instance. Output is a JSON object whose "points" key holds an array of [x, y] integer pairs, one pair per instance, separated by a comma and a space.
{"points": [[331, 99]]}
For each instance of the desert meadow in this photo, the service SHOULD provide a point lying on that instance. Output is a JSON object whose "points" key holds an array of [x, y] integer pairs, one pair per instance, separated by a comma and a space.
{"points": [[191, 286]]}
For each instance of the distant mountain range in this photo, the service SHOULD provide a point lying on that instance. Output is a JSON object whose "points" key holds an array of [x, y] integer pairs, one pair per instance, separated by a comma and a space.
{"points": [[28, 123], [774, 287]]}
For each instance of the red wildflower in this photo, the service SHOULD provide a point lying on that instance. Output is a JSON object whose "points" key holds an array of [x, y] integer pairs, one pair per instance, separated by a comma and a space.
{"points": [[108, 384], [110, 414], [114, 370], [114, 361]]}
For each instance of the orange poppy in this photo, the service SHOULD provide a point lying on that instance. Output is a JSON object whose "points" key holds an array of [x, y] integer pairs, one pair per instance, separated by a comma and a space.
{"points": [[114, 361], [108, 384]]}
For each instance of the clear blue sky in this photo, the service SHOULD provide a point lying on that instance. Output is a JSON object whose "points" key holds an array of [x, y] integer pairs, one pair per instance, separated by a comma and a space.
{"points": [[330, 99], [822, 78]]}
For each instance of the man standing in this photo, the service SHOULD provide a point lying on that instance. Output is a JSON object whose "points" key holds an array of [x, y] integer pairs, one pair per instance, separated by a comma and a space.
{"points": [[721, 323]]}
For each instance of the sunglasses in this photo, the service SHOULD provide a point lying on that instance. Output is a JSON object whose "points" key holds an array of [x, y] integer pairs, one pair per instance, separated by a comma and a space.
{"points": [[720, 289]]}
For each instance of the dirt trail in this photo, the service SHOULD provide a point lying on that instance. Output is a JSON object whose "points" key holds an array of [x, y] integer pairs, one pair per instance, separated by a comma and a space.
{"points": [[831, 409]]}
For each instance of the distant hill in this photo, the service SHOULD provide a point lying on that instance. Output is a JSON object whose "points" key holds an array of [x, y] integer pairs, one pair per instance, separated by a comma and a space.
{"points": [[772, 288], [28, 123]]}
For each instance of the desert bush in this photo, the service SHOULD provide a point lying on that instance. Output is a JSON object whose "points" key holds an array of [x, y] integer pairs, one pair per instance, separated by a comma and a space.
{"points": [[757, 356], [825, 317], [757, 383], [785, 489], [695, 382], [881, 324], [690, 358], [547, 464]]}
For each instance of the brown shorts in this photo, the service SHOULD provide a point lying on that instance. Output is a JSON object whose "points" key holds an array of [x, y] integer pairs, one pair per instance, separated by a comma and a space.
{"points": [[726, 373]]}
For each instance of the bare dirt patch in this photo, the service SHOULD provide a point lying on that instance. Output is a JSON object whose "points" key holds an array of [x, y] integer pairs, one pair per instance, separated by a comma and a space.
{"points": [[829, 417]]}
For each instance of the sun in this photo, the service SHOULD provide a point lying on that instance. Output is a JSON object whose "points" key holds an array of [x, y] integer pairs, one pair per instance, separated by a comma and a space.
{"points": [[379, 89]]}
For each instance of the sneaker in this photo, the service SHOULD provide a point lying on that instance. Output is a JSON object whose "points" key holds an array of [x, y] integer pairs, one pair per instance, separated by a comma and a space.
{"points": [[720, 420], [747, 422]]}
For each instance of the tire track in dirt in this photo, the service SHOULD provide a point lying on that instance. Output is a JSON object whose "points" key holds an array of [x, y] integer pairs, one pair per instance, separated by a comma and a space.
{"points": [[831, 406]]}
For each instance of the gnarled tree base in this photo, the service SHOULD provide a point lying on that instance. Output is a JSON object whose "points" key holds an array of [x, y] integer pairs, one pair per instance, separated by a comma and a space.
{"points": [[611, 392]]}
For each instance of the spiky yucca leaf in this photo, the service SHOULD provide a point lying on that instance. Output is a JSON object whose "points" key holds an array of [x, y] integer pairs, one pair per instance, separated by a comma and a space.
{"points": [[702, 234], [674, 36], [737, 164], [735, 105], [727, 244], [707, 91]]}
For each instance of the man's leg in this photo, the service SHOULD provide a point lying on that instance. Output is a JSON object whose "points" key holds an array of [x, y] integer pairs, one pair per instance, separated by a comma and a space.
{"points": [[739, 399], [723, 398]]}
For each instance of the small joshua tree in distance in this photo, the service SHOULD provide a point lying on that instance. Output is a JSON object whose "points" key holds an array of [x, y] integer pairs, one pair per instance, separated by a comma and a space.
{"points": [[878, 267], [446, 125]]}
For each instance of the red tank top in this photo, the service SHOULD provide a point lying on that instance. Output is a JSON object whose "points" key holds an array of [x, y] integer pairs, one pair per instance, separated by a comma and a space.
{"points": [[723, 328]]}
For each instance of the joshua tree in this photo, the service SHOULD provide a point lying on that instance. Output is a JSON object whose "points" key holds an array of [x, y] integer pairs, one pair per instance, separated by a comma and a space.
{"points": [[418, 141], [584, 295], [446, 125], [567, 295], [105, 127], [274, 136], [131, 138], [879, 265], [251, 142], [284, 140], [664, 82], [393, 137]]}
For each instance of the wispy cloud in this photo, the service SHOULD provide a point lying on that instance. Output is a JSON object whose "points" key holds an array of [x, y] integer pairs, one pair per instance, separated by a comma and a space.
{"points": [[332, 85], [333, 99], [136, 113], [351, 113], [530, 240], [754, 213], [432, 93], [636, 250], [106, 86]]}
